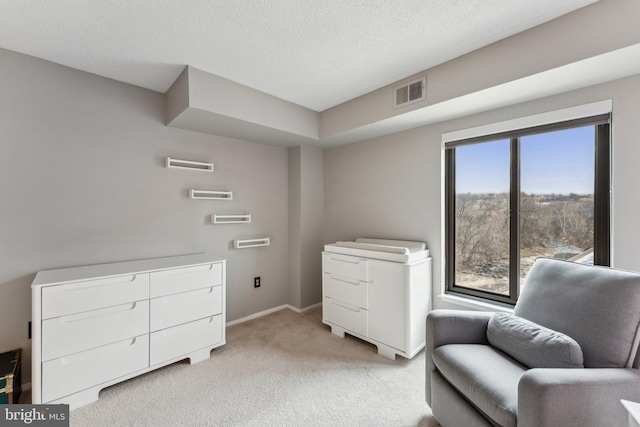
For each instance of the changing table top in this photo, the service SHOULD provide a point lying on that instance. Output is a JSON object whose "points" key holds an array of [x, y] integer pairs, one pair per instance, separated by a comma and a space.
{"points": [[383, 249]]}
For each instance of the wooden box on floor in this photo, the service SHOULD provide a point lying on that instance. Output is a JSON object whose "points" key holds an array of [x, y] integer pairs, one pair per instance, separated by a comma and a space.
{"points": [[10, 377]]}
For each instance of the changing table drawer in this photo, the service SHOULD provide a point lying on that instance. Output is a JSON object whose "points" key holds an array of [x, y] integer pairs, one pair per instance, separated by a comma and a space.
{"points": [[345, 315], [185, 279], [350, 291], [175, 309], [80, 371], [183, 339], [347, 267], [88, 295], [77, 332]]}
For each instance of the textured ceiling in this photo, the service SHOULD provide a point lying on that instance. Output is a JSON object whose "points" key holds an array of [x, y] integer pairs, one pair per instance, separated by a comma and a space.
{"points": [[315, 53]]}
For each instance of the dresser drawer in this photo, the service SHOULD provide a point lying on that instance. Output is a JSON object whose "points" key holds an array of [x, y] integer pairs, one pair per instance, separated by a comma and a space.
{"points": [[60, 300], [347, 267], [345, 315], [184, 339], [83, 331], [69, 374], [185, 279], [350, 291], [180, 308]]}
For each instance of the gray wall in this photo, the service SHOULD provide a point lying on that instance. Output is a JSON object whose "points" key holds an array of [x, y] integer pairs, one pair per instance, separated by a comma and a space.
{"points": [[295, 220], [82, 181], [385, 188], [311, 224], [306, 225], [391, 186]]}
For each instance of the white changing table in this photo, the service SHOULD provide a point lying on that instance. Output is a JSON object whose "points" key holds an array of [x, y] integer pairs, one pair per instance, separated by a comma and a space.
{"points": [[379, 291]]}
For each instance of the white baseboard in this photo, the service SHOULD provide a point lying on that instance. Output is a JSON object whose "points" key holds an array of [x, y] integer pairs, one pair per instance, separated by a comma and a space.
{"points": [[272, 310], [303, 310]]}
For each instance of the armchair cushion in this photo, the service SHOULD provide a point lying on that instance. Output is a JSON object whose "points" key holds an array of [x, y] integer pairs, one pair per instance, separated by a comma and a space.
{"points": [[485, 376], [531, 344], [599, 307]]}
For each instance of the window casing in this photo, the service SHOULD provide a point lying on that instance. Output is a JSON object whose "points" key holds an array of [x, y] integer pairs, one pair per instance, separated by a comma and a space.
{"points": [[508, 220]]}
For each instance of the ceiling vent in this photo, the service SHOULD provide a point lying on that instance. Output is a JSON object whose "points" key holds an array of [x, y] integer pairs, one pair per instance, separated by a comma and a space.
{"points": [[410, 93]]}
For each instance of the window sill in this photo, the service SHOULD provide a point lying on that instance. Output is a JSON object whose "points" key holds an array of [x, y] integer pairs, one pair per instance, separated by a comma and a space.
{"points": [[474, 303]]}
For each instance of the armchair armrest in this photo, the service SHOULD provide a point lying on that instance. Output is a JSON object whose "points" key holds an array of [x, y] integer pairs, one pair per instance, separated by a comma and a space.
{"points": [[457, 327], [452, 327], [584, 397]]}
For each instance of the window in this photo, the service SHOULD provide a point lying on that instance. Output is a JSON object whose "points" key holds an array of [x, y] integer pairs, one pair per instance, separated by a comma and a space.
{"points": [[515, 196]]}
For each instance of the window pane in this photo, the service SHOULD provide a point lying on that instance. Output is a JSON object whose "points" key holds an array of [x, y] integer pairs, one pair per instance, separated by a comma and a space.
{"points": [[557, 196], [482, 216]]}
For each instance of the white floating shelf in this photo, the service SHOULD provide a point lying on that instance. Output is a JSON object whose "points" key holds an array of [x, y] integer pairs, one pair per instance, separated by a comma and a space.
{"points": [[252, 243], [210, 195], [189, 164], [230, 219]]}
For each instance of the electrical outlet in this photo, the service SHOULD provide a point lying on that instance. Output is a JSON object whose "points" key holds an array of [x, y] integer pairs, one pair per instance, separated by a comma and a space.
{"points": [[256, 282]]}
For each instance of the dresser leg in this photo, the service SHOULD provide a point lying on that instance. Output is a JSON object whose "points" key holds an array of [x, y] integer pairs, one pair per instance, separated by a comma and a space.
{"points": [[386, 351], [82, 398], [199, 355], [336, 330]]}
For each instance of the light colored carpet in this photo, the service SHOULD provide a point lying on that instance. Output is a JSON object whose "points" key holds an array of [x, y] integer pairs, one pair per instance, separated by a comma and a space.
{"points": [[283, 369]]}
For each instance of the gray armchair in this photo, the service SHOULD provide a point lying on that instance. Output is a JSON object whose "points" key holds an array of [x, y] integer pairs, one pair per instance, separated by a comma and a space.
{"points": [[566, 356]]}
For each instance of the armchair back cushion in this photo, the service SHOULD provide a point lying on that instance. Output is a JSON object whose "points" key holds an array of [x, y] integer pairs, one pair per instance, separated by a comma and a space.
{"points": [[531, 344], [599, 307]]}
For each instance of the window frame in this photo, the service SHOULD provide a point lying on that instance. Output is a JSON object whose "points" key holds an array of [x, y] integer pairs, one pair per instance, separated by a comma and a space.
{"points": [[602, 200]]}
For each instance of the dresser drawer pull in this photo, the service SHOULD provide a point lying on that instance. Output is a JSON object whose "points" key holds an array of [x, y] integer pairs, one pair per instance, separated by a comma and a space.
{"points": [[205, 291], [349, 260], [90, 354], [98, 283], [98, 313], [197, 323], [345, 280], [187, 270], [345, 305]]}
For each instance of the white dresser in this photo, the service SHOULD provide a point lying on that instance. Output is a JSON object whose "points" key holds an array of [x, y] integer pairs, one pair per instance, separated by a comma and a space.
{"points": [[384, 302], [94, 326]]}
